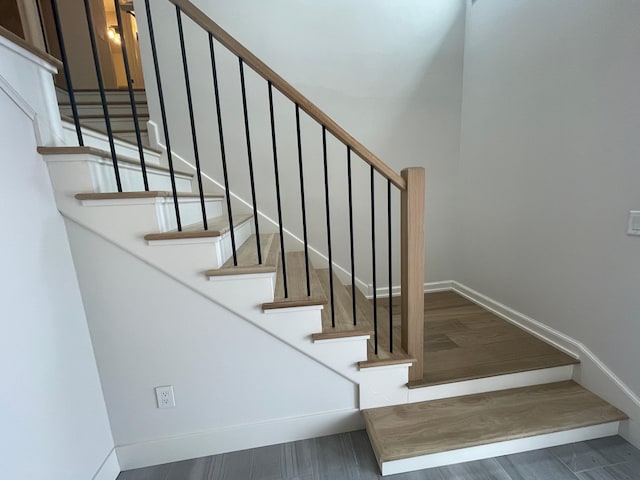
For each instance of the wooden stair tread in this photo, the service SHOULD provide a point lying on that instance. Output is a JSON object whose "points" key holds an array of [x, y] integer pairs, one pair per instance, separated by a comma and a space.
{"points": [[140, 194], [217, 227], [247, 256], [296, 285], [104, 154], [411, 430]]}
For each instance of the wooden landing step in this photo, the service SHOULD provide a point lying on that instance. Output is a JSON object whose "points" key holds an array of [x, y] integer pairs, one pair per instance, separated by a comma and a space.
{"points": [[460, 429], [247, 256], [217, 227]]}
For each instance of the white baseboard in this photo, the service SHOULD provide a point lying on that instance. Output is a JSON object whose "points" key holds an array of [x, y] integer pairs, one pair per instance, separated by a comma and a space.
{"points": [[591, 373], [110, 468], [430, 287], [237, 437]]}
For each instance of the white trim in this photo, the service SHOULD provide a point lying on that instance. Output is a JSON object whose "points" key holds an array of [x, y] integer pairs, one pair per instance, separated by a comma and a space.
{"points": [[342, 339], [491, 384], [240, 276], [24, 53], [385, 367], [237, 437], [499, 448], [109, 469], [396, 290], [304, 308]]}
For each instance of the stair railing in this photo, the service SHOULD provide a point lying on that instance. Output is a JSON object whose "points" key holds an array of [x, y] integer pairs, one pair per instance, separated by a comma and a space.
{"points": [[410, 182]]}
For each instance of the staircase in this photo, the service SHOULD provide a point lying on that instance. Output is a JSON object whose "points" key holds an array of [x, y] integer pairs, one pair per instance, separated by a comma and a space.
{"points": [[471, 386]]}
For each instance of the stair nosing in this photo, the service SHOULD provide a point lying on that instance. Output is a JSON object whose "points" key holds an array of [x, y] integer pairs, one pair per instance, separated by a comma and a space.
{"points": [[187, 234]]}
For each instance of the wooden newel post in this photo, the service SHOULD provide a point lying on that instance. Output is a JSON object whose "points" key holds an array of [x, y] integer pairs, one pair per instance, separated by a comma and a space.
{"points": [[412, 267]]}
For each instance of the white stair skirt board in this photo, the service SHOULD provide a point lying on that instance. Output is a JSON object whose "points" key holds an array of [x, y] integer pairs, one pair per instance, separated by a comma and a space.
{"points": [[221, 245], [190, 209], [499, 448], [100, 140], [110, 468], [237, 437], [491, 384]]}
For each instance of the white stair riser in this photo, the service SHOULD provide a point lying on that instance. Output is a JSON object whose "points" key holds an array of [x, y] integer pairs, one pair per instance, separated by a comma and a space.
{"points": [[96, 109], [93, 96], [491, 384], [190, 209], [499, 448], [221, 247], [100, 141], [104, 180], [131, 137], [117, 123]]}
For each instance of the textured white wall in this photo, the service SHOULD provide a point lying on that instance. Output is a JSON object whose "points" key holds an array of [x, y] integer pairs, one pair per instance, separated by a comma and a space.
{"points": [[550, 164], [389, 72], [52, 414]]}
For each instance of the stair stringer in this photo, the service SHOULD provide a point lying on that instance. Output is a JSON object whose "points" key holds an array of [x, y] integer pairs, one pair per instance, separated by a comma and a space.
{"points": [[186, 262]]}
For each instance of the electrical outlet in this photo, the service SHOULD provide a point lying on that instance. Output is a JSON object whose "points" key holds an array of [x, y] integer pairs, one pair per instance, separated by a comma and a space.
{"points": [[634, 223], [164, 396]]}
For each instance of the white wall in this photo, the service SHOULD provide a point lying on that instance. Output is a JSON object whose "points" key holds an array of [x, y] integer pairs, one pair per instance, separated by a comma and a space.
{"points": [[52, 414], [235, 385], [388, 72], [549, 168]]}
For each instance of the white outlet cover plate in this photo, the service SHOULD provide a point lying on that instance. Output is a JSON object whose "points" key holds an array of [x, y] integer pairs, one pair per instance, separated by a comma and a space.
{"points": [[634, 222], [165, 397]]}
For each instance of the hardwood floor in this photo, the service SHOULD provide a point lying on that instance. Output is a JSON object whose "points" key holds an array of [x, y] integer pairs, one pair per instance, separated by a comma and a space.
{"points": [[348, 456], [463, 341]]}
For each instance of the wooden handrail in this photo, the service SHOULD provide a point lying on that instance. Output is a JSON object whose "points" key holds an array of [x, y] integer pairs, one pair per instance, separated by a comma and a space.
{"points": [[203, 20]]}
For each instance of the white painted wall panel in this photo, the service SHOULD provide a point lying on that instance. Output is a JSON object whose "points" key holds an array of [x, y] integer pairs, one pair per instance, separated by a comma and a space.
{"points": [[52, 414]]}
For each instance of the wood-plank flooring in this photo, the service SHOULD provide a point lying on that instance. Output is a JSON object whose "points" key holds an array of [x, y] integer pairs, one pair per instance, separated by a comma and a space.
{"points": [[463, 341], [348, 456], [411, 430]]}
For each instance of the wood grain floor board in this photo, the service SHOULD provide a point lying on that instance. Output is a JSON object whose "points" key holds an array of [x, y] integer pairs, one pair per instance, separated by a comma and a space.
{"points": [[410, 430]]}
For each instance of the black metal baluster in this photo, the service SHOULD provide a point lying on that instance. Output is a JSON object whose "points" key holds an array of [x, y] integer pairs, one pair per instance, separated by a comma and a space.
{"points": [[223, 154], [302, 201], [373, 262], [277, 176], [67, 72], [326, 196], [250, 158], [163, 114], [103, 97], [192, 122], [353, 267], [390, 265], [132, 99]]}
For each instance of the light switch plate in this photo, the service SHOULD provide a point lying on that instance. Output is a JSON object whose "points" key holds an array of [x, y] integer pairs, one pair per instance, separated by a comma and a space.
{"points": [[634, 223]]}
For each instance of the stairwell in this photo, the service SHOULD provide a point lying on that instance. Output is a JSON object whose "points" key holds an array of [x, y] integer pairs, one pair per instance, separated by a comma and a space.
{"points": [[484, 387]]}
